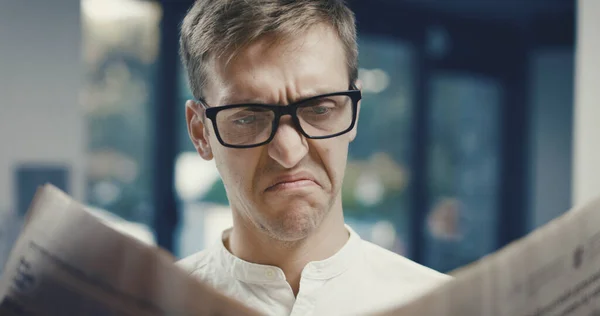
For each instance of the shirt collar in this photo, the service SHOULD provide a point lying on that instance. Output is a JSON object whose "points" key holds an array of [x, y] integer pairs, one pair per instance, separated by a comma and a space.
{"points": [[265, 274]]}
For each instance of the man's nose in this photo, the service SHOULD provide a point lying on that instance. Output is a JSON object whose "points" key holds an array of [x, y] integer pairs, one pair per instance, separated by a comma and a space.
{"points": [[289, 146]]}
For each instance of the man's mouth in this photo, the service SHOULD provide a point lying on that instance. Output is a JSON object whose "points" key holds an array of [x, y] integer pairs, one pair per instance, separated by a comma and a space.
{"points": [[295, 181]]}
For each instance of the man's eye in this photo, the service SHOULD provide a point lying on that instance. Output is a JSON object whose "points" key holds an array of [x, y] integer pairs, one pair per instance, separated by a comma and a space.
{"points": [[320, 109], [245, 120]]}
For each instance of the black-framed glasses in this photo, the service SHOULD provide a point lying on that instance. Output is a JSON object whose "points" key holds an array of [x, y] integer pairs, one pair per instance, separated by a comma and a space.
{"points": [[251, 125]]}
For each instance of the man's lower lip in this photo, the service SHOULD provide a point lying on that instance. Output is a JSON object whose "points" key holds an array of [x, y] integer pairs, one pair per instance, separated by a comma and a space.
{"points": [[292, 185]]}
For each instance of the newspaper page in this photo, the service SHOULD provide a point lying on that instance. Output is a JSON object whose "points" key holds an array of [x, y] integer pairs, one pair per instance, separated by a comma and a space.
{"points": [[66, 262], [555, 270]]}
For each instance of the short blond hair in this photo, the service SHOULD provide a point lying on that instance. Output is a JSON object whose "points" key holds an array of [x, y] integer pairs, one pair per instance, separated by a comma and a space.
{"points": [[220, 28]]}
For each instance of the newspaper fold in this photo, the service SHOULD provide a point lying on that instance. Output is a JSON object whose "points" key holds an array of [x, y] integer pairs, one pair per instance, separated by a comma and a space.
{"points": [[66, 262]]}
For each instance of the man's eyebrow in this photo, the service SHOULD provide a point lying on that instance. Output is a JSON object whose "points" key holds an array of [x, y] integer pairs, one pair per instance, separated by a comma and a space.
{"points": [[310, 94], [314, 93], [234, 100], [230, 100]]}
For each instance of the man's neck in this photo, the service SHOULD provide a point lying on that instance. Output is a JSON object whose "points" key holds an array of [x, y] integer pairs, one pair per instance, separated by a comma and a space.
{"points": [[291, 257]]}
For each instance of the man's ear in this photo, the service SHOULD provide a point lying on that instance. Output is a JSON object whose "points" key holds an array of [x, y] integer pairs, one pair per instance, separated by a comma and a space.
{"points": [[358, 84], [353, 132], [197, 130]]}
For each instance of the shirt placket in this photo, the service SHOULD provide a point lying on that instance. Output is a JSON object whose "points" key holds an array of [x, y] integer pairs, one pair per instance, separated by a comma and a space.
{"points": [[306, 299]]}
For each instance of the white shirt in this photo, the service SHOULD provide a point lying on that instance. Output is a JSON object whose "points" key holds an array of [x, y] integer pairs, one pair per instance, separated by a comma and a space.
{"points": [[361, 278]]}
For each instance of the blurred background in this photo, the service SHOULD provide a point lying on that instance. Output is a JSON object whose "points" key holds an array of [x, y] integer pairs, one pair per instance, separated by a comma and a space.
{"points": [[478, 123]]}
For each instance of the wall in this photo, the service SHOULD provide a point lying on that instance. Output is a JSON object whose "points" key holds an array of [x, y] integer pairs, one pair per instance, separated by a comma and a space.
{"points": [[586, 172], [41, 121]]}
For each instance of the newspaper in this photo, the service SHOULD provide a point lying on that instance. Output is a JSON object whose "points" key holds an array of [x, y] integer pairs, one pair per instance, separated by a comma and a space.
{"points": [[553, 271], [66, 262]]}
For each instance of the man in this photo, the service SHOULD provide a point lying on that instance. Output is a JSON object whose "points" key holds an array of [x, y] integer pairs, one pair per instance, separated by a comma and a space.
{"points": [[276, 106]]}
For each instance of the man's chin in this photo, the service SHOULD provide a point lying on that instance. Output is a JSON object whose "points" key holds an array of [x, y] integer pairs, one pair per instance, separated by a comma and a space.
{"points": [[296, 224], [290, 236]]}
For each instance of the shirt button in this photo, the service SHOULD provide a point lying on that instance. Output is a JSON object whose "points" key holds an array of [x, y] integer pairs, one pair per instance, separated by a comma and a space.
{"points": [[315, 269], [270, 274]]}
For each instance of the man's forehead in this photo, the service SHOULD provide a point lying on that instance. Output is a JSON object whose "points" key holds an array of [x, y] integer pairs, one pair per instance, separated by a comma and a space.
{"points": [[289, 41], [311, 64]]}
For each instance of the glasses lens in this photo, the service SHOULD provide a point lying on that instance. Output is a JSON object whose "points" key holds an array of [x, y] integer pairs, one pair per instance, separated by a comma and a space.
{"points": [[326, 116], [245, 126]]}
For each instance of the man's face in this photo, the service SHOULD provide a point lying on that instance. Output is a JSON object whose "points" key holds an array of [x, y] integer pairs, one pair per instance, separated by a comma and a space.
{"points": [[287, 187]]}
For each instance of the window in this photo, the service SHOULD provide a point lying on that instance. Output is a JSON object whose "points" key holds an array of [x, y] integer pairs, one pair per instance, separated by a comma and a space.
{"points": [[463, 165], [120, 46], [375, 193]]}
